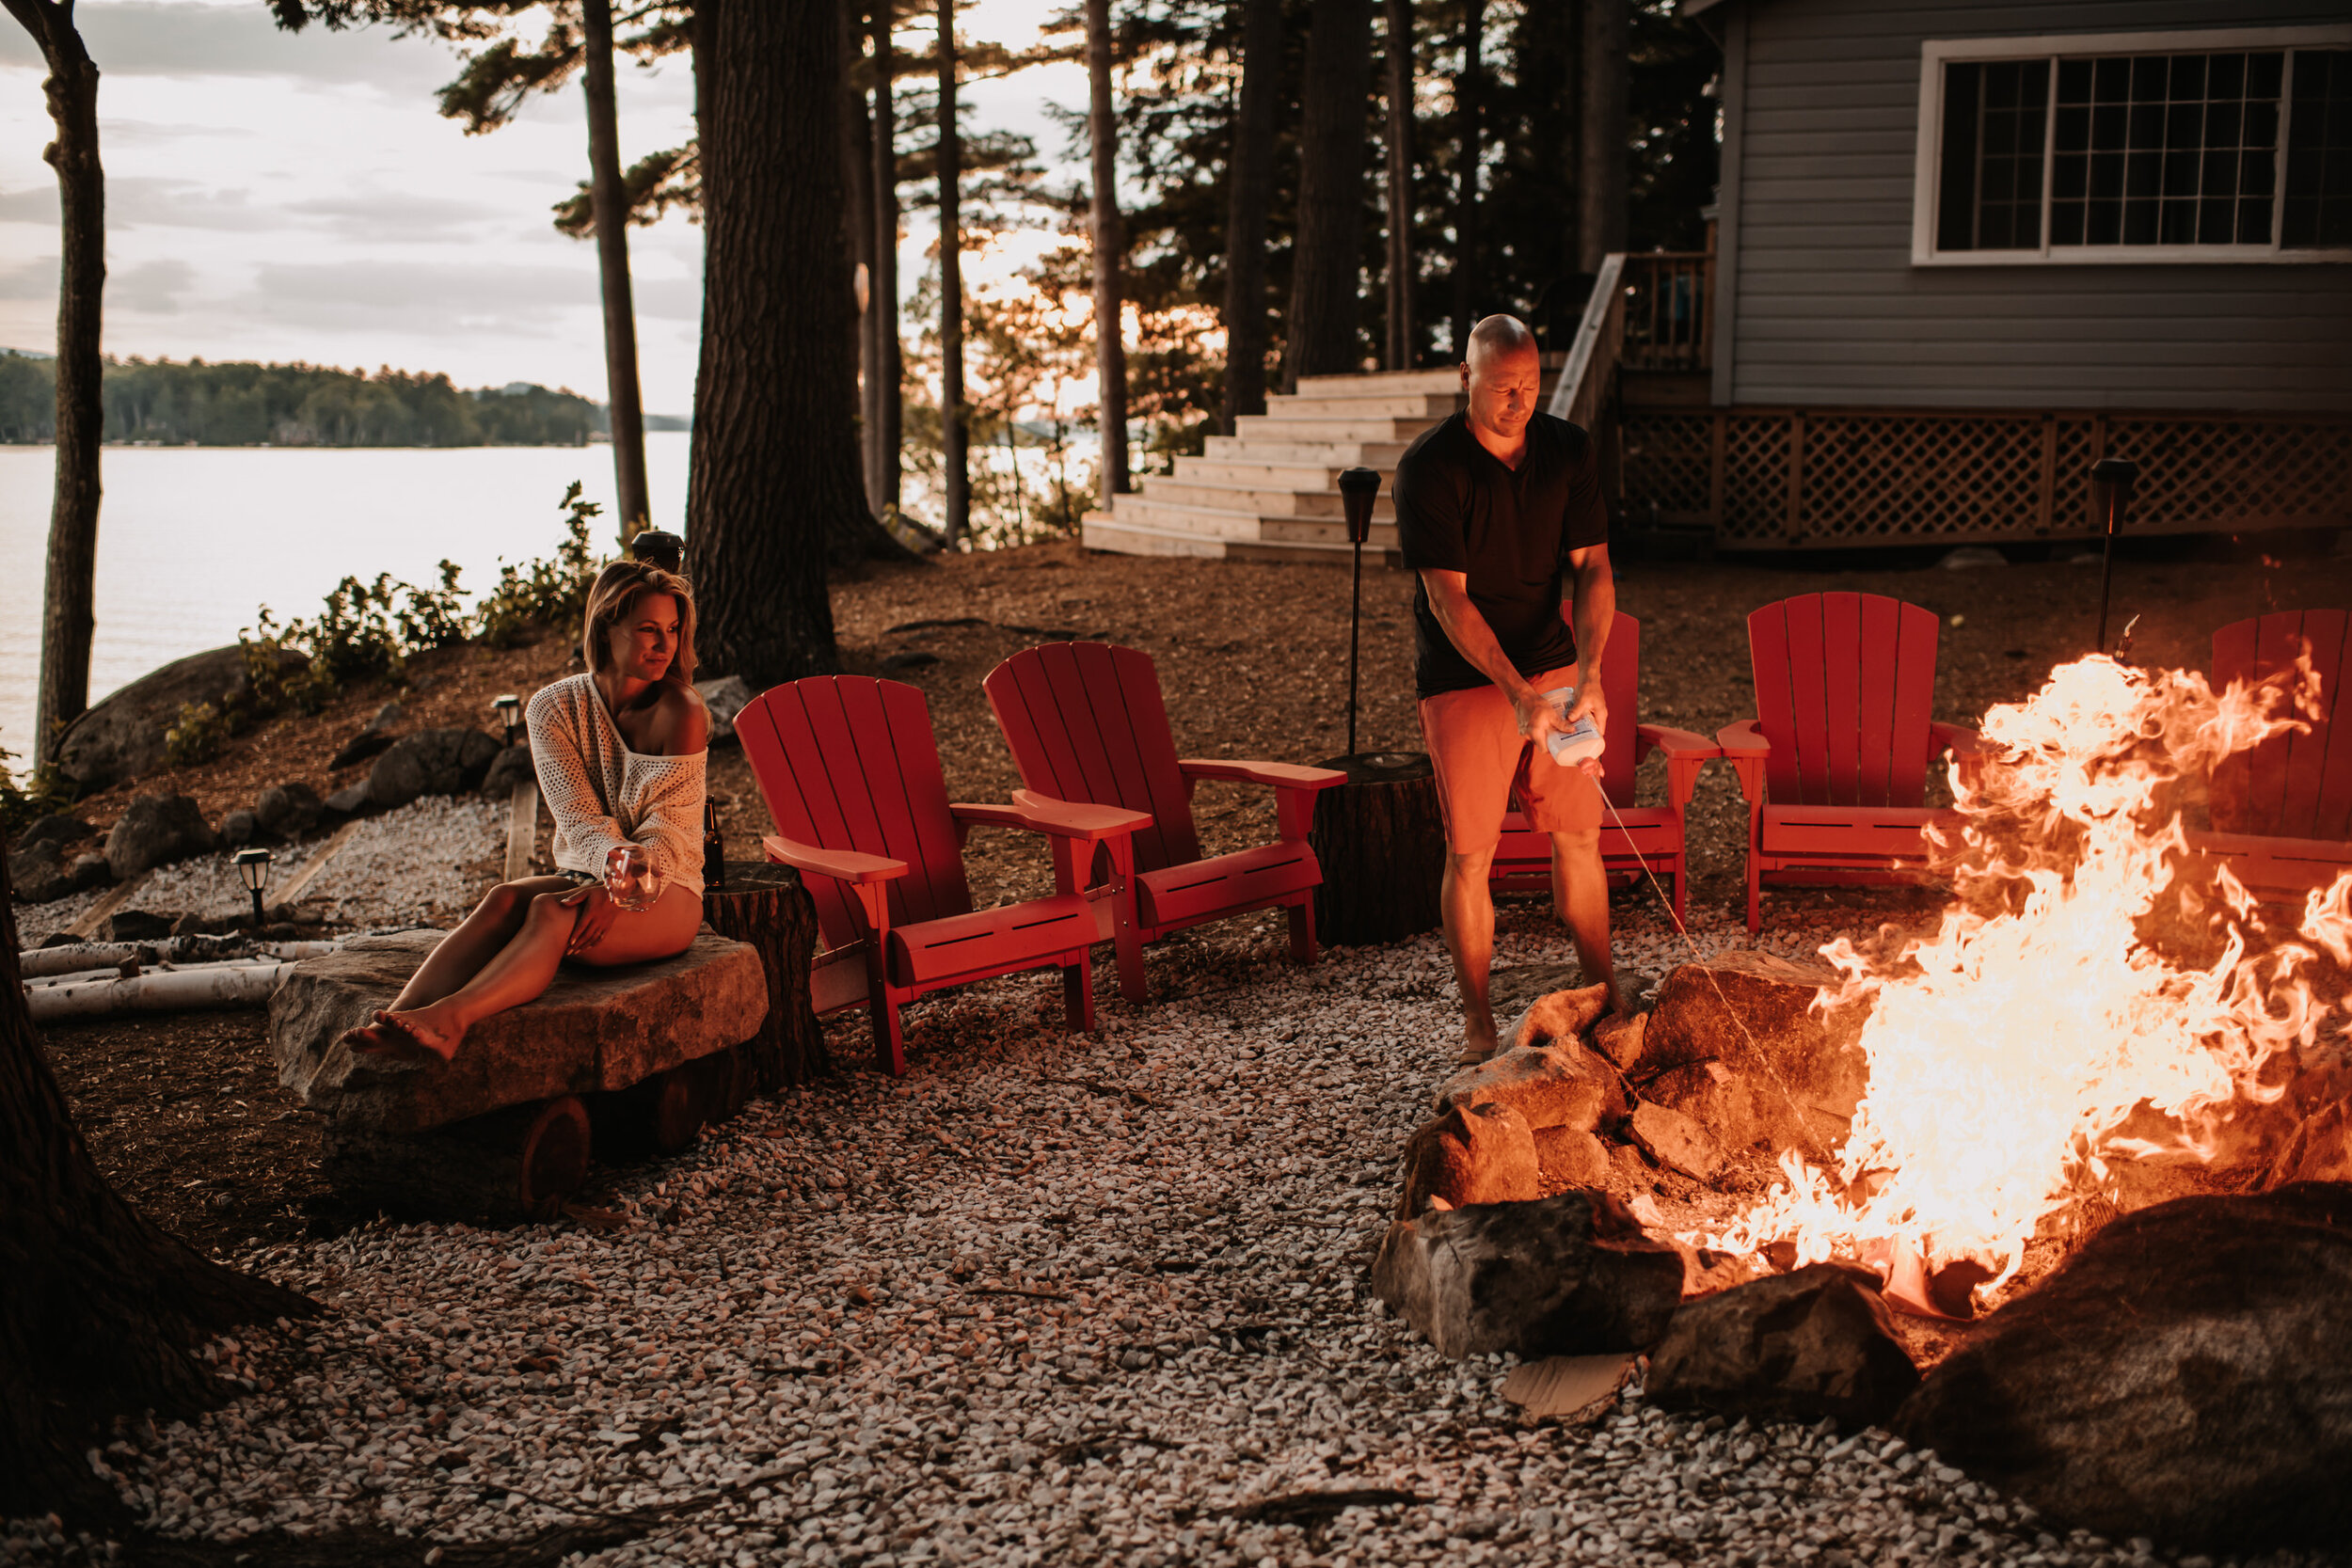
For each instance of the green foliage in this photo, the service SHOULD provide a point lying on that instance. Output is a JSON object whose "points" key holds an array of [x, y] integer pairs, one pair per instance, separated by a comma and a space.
{"points": [[23, 802], [196, 736], [194, 403], [544, 592]]}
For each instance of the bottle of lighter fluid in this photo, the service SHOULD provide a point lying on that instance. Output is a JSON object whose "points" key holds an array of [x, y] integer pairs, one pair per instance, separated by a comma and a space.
{"points": [[1582, 740]]}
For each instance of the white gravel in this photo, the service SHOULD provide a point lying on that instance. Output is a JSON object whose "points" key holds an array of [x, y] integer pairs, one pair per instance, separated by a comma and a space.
{"points": [[1047, 1300], [403, 867]]}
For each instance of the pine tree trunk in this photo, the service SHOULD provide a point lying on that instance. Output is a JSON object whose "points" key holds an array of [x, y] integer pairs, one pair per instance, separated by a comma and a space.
{"points": [[1403, 336], [610, 201], [67, 611], [1571, 80], [774, 485], [1469, 153], [1324, 265], [1251, 184], [882, 315], [1110, 347], [101, 1312], [857, 216], [1601, 225], [954, 435]]}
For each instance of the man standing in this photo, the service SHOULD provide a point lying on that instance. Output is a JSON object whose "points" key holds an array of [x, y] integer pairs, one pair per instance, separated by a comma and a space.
{"points": [[1497, 509]]}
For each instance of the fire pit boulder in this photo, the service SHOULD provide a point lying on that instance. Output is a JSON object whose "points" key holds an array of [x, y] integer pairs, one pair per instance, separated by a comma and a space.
{"points": [[2185, 1375], [1472, 1155], [1736, 1045], [1563, 1083], [1797, 1347], [1566, 1276]]}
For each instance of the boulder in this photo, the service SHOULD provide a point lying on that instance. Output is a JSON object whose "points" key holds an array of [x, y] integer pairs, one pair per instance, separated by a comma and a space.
{"points": [[1557, 1015], [1796, 1347], [1737, 1045], [37, 873], [288, 809], [431, 762], [122, 737], [154, 830], [1561, 1085], [139, 926], [594, 1029], [724, 697], [1568, 1158], [373, 739], [239, 829], [350, 801], [1675, 1141], [91, 870], [2185, 1375], [510, 766], [56, 828], [1566, 1275], [1472, 1154]]}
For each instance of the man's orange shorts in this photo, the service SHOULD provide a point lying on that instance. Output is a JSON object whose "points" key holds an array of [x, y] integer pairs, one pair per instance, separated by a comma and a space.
{"points": [[1483, 764]]}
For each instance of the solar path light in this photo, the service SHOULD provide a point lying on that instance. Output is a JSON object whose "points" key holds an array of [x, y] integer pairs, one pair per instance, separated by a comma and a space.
{"points": [[253, 871]]}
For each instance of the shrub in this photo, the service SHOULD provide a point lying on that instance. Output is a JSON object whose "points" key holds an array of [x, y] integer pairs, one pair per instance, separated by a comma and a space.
{"points": [[197, 734], [546, 593], [22, 802]]}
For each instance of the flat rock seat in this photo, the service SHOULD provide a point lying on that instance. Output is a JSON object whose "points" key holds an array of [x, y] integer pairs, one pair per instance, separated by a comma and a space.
{"points": [[596, 1029]]}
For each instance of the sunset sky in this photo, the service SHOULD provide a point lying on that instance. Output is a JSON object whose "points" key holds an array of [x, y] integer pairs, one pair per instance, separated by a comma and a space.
{"points": [[279, 197]]}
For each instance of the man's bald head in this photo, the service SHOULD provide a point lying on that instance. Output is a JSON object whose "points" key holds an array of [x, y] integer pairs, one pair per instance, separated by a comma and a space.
{"points": [[1498, 336]]}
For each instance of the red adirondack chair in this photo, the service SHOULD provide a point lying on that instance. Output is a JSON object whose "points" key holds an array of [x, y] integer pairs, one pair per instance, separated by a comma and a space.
{"points": [[850, 773], [1834, 765], [2281, 811], [1651, 836], [1085, 722]]}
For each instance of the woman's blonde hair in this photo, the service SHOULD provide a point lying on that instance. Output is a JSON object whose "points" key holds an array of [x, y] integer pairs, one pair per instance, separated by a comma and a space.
{"points": [[613, 598]]}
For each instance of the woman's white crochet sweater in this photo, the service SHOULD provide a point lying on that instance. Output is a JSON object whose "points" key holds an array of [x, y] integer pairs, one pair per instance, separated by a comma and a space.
{"points": [[601, 793]]}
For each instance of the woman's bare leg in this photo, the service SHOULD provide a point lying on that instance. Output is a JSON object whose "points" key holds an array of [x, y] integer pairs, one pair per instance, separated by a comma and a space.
{"points": [[517, 973], [666, 928], [463, 952]]}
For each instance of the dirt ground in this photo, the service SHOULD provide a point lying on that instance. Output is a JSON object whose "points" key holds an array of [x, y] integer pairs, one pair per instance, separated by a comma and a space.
{"points": [[185, 1113]]}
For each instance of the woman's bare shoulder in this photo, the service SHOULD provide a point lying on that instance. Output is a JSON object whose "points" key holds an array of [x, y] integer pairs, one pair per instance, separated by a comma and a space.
{"points": [[680, 720]]}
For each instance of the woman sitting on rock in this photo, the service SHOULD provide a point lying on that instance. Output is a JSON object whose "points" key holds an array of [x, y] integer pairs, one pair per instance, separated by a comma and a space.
{"points": [[619, 751]]}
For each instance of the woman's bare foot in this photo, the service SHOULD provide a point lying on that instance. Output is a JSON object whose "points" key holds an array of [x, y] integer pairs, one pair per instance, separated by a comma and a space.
{"points": [[430, 1027], [388, 1043]]}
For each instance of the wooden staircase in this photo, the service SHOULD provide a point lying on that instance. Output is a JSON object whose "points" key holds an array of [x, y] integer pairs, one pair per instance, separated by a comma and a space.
{"points": [[1270, 492]]}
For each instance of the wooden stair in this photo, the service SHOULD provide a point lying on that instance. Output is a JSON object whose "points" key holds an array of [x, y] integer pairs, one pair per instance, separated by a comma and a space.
{"points": [[1270, 492]]}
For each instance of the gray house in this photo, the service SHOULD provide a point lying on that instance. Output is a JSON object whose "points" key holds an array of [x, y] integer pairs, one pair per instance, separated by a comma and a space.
{"points": [[1964, 248]]}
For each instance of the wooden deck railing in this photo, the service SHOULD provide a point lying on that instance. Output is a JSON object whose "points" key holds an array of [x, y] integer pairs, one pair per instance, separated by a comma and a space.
{"points": [[1669, 309], [1588, 383]]}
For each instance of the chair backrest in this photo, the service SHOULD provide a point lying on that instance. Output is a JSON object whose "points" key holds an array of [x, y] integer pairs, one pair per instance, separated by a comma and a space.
{"points": [[1620, 687], [2293, 786], [1085, 722], [1845, 684], [848, 762]]}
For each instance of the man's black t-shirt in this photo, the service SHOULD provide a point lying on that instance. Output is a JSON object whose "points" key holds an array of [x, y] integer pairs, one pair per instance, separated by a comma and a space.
{"points": [[1458, 508]]}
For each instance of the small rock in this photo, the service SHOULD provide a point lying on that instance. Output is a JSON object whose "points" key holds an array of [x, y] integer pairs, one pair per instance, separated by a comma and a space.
{"points": [[288, 809], [372, 740], [194, 924], [431, 762], [510, 766], [724, 697], [1472, 1154], [57, 828], [1575, 1158], [350, 801], [156, 829], [91, 870], [139, 926], [1563, 1083], [1560, 1015], [2185, 1375], [1677, 1142], [1620, 1036], [1566, 1275], [37, 873], [238, 828], [1797, 1347], [2320, 1149]]}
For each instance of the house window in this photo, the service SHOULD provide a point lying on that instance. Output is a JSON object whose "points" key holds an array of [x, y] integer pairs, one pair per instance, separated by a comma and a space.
{"points": [[2180, 146]]}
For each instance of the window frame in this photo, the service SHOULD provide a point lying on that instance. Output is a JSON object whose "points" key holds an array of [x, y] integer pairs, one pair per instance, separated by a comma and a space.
{"points": [[1927, 171]]}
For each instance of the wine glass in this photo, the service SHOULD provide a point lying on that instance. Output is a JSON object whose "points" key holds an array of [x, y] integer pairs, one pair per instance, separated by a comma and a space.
{"points": [[630, 878]]}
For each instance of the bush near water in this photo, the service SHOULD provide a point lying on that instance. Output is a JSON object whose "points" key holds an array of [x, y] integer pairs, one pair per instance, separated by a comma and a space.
{"points": [[244, 405]]}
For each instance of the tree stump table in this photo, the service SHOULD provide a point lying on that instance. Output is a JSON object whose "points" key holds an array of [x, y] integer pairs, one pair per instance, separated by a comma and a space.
{"points": [[766, 908], [1381, 840]]}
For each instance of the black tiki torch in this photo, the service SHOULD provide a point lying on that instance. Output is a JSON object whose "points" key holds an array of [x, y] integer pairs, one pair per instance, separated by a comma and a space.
{"points": [[1358, 488], [2112, 482]]}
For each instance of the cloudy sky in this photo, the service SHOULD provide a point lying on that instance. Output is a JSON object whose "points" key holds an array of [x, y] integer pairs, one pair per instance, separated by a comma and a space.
{"points": [[278, 197]]}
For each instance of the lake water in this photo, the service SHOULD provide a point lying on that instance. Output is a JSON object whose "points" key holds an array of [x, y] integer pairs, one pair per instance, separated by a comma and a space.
{"points": [[192, 540]]}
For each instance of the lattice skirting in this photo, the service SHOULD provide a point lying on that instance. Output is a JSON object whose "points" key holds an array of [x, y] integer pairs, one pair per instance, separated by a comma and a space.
{"points": [[1812, 478]]}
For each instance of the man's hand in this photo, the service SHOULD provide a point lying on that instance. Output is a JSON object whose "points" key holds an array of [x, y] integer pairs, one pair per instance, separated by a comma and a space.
{"points": [[1538, 719], [1590, 704], [597, 913]]}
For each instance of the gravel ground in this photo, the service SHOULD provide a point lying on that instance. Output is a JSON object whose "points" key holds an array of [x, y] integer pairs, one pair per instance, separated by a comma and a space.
{"points": [[421, 863], [1049, 1299]]}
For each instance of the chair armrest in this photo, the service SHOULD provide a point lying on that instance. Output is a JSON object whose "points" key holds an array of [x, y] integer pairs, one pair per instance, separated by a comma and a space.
{"points": [[842, 866], [1686, 754], [1744, 747], [1042, 814], [1280, 774]]}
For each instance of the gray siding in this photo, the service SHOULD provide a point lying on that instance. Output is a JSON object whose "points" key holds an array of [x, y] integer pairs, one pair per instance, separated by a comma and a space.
{"points": [[1825, 306]]}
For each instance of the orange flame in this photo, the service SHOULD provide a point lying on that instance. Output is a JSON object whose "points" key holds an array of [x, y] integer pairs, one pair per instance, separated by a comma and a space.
{"points": [[2007, 1050]]}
